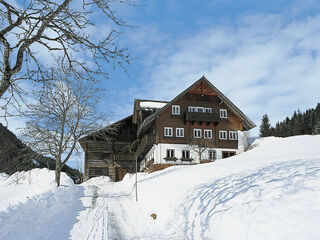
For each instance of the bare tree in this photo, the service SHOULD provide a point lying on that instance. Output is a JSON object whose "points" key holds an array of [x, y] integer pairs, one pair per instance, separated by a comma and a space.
{"points": [[67, 110], [60, 26], [199, 145]]}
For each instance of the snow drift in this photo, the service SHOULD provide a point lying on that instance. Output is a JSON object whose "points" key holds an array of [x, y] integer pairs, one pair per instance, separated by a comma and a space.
{"points": [[269, 192]]}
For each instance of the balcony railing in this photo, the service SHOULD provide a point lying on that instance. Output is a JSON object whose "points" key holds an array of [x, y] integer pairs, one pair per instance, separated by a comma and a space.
{"points": [[202, 117]]}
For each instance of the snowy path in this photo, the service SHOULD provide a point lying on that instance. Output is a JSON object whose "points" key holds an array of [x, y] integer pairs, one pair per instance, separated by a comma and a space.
{"points": [[104, 217]]}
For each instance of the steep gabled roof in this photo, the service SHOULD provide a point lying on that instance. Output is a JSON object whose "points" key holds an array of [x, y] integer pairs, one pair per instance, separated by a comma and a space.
{"points": [[198, 86], [113, 126]]}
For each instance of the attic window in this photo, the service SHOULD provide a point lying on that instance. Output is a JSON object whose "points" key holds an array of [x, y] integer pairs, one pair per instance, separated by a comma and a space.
{"points": [[223, 113], [175, 110]]}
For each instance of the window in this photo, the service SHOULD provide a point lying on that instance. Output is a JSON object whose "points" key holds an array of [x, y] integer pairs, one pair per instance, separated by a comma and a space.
{"points": [[223, 135], [223, 113], [207, 133], [170, 153], [179, 132], [168, 131], [228, 154], [192, 109], [185, 154], [212, 154], [200, 109], [233, 135], [197, 133], [175, 110], [208, 110]]}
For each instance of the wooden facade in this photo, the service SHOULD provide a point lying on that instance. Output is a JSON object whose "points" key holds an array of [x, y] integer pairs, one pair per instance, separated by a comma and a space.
{"points": [[113, 157], [142, 135]]}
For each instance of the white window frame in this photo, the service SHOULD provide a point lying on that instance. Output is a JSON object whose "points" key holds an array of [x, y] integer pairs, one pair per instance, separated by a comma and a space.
{"points": [[198, 130], [178, 131], [233, 135], [170, 151], [223, 113], [170, 130], [205, 133], [202, 109], [185, 151], [192, 109], [175, 109], [221, 133], [214, 154], [209, 110]]}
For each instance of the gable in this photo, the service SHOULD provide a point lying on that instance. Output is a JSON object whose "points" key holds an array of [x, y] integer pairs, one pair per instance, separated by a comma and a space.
{"points": [[203, 87]]}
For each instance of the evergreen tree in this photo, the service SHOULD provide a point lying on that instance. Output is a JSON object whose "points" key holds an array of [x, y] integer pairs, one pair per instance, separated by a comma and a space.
{"points": [[300, 123], [316, 128], [297, 122], [265, 126]]}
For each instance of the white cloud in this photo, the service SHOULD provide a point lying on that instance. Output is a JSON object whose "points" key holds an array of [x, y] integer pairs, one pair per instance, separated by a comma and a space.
{"points": [[264, 65]]}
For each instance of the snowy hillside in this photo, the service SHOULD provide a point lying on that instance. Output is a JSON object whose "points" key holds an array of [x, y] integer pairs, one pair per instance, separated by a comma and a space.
{"points": [[269, 192]]}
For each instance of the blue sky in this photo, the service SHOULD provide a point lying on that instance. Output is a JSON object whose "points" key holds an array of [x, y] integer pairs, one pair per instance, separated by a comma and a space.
{"points": [[263, 55]]}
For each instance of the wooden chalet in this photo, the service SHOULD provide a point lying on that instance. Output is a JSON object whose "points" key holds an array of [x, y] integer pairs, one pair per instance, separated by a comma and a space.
{"points": [[107, 152], [164, 133]]}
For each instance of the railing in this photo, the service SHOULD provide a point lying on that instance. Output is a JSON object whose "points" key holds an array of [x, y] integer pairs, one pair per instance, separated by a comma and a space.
{"points": [[145, 145], [202, 117]]}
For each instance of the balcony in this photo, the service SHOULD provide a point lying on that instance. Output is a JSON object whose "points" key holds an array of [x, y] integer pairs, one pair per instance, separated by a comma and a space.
{"points": [[202, 117]]}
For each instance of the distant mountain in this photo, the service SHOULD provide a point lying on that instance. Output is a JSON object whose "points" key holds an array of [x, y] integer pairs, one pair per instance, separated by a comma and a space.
{"points": [[16, 156]]}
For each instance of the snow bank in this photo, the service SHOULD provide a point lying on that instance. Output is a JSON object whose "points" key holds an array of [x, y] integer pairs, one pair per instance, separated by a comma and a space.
{"points": [[21, 186], [97, 181], [270, 192], [32, 207]]}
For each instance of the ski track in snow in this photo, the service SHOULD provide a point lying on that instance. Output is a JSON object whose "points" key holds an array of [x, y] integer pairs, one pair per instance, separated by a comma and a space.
{"points": [[206, 201], [106, 216]]}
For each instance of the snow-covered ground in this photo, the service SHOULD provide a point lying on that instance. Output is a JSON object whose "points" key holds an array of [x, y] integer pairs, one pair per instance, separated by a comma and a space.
{"points": [[269, 192]]}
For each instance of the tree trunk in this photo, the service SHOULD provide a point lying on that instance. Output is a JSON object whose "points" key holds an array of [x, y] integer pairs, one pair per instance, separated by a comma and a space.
{"points": [[58, 172], [4, 85]]}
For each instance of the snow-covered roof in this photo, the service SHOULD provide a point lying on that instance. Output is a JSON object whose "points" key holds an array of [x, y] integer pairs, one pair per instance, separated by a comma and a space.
{"points": [[152, 104]]}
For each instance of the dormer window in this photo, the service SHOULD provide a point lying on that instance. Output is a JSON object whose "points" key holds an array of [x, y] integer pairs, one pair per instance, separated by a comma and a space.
{"points": [[175, 110], [223, 113]]}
